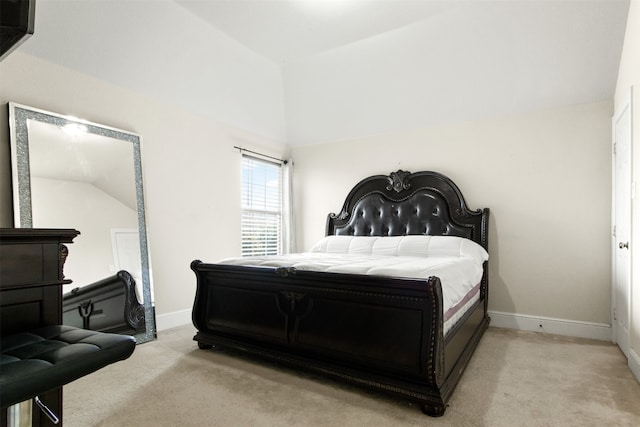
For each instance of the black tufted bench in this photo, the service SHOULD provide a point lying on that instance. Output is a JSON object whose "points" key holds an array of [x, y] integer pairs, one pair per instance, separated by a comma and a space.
{"points": [[44, 359]]}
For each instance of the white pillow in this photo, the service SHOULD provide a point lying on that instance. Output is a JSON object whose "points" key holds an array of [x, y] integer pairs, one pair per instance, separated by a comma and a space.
{"points": [[415, 246]]}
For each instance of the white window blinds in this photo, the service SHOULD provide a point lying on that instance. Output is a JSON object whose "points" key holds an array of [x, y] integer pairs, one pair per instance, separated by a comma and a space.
{"points": [[261, 207]]}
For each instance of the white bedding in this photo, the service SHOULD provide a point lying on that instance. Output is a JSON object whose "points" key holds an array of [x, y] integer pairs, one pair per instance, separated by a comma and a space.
{"points": [[456, 261]]}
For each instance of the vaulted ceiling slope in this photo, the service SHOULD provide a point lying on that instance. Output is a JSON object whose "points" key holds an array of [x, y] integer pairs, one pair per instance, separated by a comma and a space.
{"points": [[310, 71]]}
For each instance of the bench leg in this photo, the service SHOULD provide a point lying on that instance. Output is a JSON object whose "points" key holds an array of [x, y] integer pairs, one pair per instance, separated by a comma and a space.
{"points": [[19, 415]]}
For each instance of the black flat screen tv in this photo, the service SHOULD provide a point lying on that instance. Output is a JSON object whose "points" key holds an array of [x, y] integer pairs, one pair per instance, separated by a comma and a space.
{"points": [[17, 18]]}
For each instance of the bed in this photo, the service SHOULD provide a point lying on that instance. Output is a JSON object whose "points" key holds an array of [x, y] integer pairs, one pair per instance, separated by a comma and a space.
{"points": [[368, 322]]}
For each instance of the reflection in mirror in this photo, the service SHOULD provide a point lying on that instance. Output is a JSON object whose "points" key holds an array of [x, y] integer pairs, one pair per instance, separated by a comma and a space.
{"points": [[69, 173]]}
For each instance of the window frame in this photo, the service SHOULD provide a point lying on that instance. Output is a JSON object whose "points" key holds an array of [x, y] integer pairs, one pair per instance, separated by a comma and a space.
{"points": [[261, 224]]}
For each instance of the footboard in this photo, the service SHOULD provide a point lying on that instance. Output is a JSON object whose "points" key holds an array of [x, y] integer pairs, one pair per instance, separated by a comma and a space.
{"points": [[380, 332]]}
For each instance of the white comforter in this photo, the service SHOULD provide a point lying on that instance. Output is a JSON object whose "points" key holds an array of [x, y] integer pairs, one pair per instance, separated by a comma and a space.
{"points": [[456, 261]]}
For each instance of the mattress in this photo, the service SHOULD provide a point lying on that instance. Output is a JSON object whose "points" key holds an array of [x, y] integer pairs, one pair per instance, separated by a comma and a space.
{"points": [[456, 261]]}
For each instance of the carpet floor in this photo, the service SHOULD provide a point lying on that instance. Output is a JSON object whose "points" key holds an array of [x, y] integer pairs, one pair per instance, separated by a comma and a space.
{"points": [[515, 378]]}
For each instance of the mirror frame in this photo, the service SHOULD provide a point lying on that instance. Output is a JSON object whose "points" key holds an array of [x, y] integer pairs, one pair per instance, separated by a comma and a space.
{"points": [[19, 115]]}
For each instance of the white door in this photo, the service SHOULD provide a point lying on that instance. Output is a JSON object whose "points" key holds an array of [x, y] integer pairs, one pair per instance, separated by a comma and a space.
{"points": [[621, 248], [126, 254]]}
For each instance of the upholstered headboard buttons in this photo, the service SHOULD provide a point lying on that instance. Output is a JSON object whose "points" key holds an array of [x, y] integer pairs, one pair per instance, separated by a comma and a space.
{"points": [[419, 214], [408, 204]]}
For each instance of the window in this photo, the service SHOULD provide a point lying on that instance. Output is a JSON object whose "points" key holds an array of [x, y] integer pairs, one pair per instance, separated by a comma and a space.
{"points": [[261, 207]]}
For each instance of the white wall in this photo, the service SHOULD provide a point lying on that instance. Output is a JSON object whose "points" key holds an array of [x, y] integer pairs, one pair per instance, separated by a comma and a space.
{"points": [[545, 176], [628, 76], [191, 170]]}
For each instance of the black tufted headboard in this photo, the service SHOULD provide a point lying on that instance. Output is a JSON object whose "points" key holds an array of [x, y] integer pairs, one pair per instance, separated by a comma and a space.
{"points": [[405, 203]]}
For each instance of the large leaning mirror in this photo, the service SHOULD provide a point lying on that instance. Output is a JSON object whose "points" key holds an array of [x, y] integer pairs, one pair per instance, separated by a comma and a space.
{"points": [[70, 173]]}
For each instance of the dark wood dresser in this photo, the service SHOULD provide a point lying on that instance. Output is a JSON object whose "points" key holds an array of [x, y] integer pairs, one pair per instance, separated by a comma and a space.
{"points": [[31, 279]]}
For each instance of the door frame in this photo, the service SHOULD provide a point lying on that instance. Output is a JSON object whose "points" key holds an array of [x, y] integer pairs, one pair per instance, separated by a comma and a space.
{"points": [[624, 108]]}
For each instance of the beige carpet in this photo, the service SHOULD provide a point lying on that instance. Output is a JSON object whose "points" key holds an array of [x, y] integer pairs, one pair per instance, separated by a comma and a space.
{"points": [[514, 379]]}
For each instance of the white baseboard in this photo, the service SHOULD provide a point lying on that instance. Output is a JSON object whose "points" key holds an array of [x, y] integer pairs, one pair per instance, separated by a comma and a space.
{"points": [[571, 328], [634, 363], [173, 320]]}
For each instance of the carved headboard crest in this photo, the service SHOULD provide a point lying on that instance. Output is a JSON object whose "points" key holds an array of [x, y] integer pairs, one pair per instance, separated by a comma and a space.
{"points": [[398, 181]]}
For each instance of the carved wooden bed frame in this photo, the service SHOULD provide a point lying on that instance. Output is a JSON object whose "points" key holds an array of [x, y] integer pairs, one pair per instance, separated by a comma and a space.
{"points": [[108, 305], [379, 332]]}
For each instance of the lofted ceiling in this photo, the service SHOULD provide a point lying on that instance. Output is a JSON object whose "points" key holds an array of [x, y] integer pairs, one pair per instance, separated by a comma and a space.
{"points": [[289, 30], [311, 71]]}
